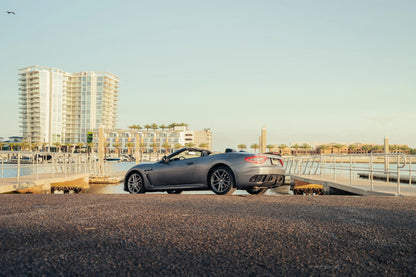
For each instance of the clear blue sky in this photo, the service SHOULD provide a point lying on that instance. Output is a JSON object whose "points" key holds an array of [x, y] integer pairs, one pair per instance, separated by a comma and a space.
{"points": [[307, 70]]}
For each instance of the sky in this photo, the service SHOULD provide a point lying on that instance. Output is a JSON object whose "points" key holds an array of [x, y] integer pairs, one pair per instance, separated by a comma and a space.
{"points": [[308, 70]]}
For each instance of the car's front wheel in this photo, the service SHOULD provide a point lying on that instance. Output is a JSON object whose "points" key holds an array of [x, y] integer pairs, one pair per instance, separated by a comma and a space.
{"points": [[135, 183], [256, 191], [221, 181]]}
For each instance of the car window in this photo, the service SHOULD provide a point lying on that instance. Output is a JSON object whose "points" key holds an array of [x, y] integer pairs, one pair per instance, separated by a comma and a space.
{"points": [[185, 155]]}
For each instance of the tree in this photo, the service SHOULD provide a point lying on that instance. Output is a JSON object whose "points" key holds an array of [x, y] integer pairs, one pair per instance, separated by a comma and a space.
{"points": [[155, 148], [254, 146], [203, 145], [242, 147], [366, 148], [178, 146], [117, 146], [282, 147], [79, 145], [189, 144], [58, 146], [89, 146], [172, 125], [322, 148], [338, 146], [154, 126], [306, 147], [129, 145], [296, 146], [167, 146], [147, 126], [1, 145], [352, 148], [163, 127]]}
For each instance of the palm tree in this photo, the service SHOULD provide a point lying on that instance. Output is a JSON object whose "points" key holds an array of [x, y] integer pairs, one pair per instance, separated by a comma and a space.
{"points": [[189, 144], [172, 125], [270, 147], [282, 147], [167, 146], [163, 127], [58, 145], [296, 146], [141, 146], [129, 145], [79, 145], [254, 146], [322, 148], [178, 146], [154, 146], [366, 148], [306, 147], [1, 145], [338, 146], [352, 148], [117, 146], [89, 146], [147, 126], [132, 127], [203, 145], [242, 147], [154, 126]]}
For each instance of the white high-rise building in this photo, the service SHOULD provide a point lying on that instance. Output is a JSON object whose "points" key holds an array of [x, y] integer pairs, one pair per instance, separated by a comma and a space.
{"points": [[56, 106]]}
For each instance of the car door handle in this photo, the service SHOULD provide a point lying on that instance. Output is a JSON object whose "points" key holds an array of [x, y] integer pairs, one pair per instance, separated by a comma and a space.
{"points": [[190, 163]]}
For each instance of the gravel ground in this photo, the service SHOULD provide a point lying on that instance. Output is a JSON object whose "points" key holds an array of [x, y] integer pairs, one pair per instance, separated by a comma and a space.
{"points": [[200, 235]]}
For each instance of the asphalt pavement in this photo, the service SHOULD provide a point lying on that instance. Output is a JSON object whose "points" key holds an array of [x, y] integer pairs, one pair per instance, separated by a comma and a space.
{"points": [[206, 235]]}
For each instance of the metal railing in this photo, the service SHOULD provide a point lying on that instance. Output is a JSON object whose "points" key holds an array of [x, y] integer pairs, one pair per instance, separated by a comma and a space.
{"points": [[19, 163], [398, 168]]}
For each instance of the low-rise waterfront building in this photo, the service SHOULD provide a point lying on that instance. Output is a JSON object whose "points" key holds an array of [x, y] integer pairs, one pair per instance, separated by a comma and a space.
{"points": [[150, 141]]}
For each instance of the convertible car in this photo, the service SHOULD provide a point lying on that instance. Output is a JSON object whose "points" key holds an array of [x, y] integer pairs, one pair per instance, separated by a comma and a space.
{"points": [[200, 169]]}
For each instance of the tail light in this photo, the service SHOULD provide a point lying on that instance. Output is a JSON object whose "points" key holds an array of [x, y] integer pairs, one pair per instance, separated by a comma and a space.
{"points": [[256, 159], [281, 161]]}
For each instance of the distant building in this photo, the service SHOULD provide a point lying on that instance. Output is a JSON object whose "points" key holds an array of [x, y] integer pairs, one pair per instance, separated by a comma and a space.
{"points": [[56, 106], [161, 141]]}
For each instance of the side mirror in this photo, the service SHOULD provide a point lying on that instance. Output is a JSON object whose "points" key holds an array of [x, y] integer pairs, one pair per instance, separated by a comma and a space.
{"points": [[164, 159]]}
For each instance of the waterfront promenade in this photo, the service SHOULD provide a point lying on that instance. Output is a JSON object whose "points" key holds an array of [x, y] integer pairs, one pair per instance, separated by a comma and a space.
{"points": [[206, 235]]}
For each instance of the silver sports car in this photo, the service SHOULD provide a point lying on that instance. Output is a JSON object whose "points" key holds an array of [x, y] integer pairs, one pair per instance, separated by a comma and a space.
{"points": [[200, 169]]}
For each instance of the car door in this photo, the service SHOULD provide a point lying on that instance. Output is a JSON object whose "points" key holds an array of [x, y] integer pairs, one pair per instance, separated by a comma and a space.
{"points": [[177, 172]]}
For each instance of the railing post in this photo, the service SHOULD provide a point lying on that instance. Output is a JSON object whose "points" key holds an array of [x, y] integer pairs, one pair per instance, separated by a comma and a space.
{"points": [[398, 175], [371, 171], [18, 168], [53, 165], [350, 170], [410, 171], [37, 165]]}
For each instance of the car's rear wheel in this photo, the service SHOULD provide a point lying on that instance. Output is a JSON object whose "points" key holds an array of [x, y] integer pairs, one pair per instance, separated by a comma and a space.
{"points": [[174, 191], [135, 183], [221, 181], [256, 191]]}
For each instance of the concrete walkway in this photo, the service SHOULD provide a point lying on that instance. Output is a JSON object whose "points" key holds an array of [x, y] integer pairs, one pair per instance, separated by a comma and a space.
{"points": [[358, 185], [41, 184]]}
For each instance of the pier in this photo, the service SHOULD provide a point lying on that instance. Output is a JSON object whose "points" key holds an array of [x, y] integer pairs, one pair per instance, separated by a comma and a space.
{"points": [[355, 174], [40, 172]]}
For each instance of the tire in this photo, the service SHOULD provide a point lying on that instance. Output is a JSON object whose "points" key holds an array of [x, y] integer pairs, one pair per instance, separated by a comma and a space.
{"points": [[221, 181], [257, 191], [135, 183], [174, 191]]}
